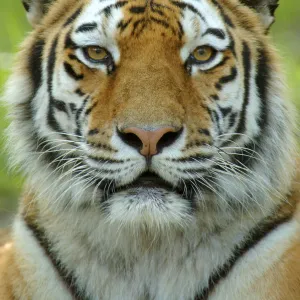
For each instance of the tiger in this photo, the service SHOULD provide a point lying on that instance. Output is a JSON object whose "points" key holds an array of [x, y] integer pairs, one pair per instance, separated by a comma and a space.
{"points": [[159, 148]]}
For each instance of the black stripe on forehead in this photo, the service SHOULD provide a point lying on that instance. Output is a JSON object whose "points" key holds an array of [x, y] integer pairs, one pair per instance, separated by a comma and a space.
{"points": [[124, 24], [225, 17], [190, 7], [137, 9], [218, 33], [73, 17], [141, 16], [86, 27]]}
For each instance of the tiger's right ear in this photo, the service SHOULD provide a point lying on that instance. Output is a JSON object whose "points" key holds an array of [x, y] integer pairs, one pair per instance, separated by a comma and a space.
{"points": [[36, 9], [265, 9]]}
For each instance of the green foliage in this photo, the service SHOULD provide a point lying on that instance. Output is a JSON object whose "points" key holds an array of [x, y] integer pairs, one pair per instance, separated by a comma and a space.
{"points": [[13, 26], [286, 34]]}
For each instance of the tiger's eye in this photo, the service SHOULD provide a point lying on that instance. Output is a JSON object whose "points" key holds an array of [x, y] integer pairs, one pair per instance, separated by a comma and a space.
{"points": [[96, 53], [203, 54]]}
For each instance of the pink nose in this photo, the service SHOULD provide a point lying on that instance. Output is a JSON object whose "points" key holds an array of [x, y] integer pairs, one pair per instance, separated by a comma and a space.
{"points": [[149, 142]]}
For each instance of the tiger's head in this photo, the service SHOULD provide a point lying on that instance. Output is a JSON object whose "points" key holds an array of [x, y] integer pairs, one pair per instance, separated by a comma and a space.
{"points": [[151, 112]]}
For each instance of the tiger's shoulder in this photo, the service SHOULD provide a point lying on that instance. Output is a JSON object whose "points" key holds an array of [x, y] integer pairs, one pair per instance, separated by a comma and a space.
{"points": [[7, 265], [277, 255], [269, 271], [4, 237]]}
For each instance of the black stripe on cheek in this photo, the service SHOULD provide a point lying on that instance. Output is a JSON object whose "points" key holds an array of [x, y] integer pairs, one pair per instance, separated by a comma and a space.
{"points": [[78, 116], [74, 57], [69, 43], [216, 119], [230, 77], [52, 122], [60, 105], [90, 109], [232, 120], [225, 111], [72, 108], [247, 71], [35, 65], [69, 69], [218, 86], [220, 64], [51, 64], [180, 30], [262, 78], [232, 45], [73, 17], [93, 132], [204, 131], [79, 92]]}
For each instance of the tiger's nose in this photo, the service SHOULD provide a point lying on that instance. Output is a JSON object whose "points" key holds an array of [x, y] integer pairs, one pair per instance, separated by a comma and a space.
{"points": [[149, 142]]}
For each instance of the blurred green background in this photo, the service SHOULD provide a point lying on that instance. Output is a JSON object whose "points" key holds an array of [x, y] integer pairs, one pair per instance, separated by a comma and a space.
{"points": [[14, 27]]}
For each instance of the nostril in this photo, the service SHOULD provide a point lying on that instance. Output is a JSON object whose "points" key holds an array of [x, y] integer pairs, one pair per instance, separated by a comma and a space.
{"points": [[168, 139], [131, 140], [149, 142]]}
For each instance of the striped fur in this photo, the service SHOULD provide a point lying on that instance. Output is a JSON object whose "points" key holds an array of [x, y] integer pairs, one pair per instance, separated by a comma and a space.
{"points": [[226, 215]]}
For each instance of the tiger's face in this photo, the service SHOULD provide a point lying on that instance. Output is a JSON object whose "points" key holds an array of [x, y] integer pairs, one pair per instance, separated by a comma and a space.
{"points": [[150, 111]]}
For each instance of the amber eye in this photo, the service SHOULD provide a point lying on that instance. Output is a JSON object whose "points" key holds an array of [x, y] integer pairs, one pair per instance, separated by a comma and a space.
{"points": [[96, 54], [203, 54]]}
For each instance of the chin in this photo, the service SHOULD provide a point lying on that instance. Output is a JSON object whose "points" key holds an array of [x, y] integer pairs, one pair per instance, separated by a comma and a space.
{"points": [[150, 203]]}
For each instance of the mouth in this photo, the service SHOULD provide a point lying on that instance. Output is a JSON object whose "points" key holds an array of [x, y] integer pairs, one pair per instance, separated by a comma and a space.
{"points": [[148, 181]]}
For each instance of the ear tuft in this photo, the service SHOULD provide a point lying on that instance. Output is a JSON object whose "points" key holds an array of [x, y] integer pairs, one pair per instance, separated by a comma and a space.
{"points": [[265, 8], [272, 8], [36, 9], [26, 6]]}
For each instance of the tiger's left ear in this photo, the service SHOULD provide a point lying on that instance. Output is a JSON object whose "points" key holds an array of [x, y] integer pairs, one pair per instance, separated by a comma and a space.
{"points": [[36, 9], [265, 8]]}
